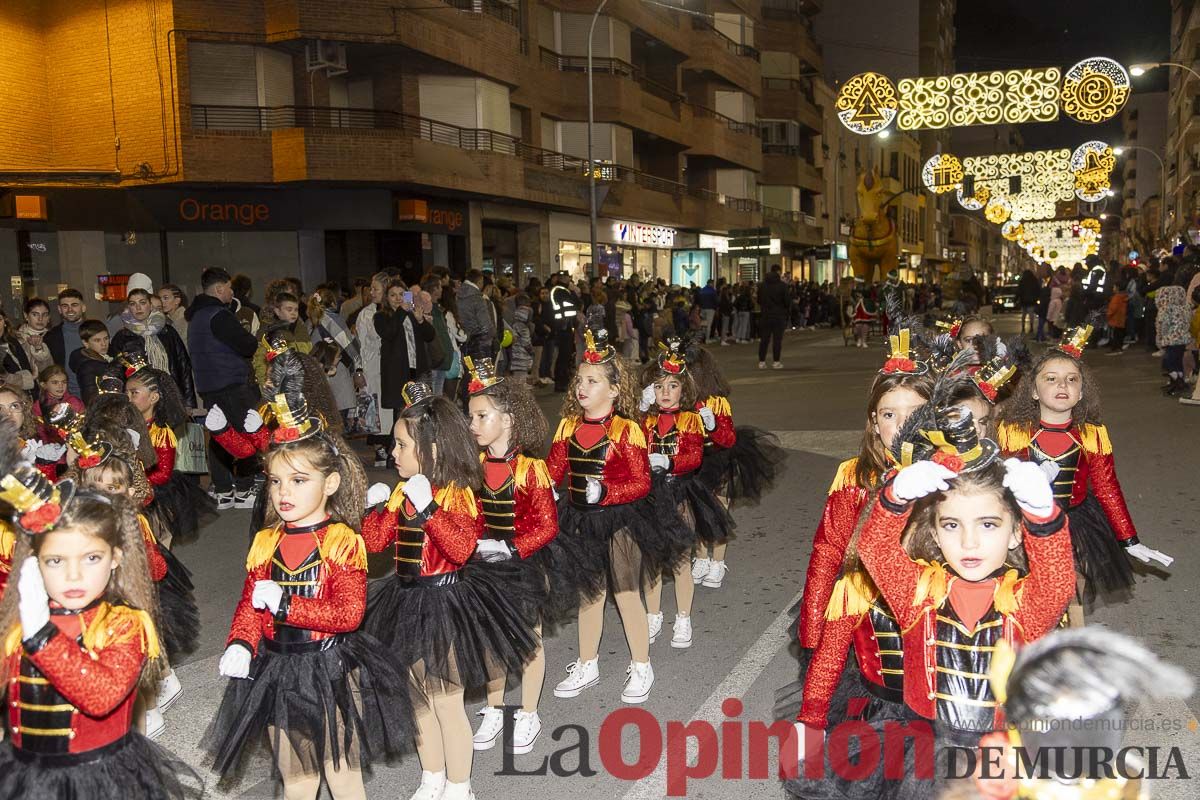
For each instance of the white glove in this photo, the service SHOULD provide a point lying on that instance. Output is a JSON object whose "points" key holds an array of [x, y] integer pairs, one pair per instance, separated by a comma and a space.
{"points": [[1051, 469], [710, 419], [378, 493], [29, 451], [800, 740], [215, 419], [34, 604], [51, 452], [659, 462], [492, 550], [235, 663], [1029, 486], [419, 492], [266, 594], [555, 490], [593, 490], [1138, 551], [135, 438], [648, 397], [919, 479], [253, 421]]}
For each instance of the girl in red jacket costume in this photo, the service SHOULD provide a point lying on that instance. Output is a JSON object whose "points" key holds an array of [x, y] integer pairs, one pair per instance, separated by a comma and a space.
{"points": [[453, 628], [305, 679], [600, 451], [1054, 419], [675, 435], [17, 408], [79, 642]]}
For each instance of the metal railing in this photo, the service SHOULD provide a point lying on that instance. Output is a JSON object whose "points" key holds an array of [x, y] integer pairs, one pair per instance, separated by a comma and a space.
{"points": [[737, 126], [733, 46], [507, 14], [610, 66], [802, 87], [799, 151], [786, 9]]}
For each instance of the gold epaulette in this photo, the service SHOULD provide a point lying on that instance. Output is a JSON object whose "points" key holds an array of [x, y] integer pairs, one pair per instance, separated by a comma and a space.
{"points": [[624, 429], [852, 596], [934, 584], [343, 546], [162, 436], [263, 549], [115, 625], [532, 469], [566, 428], [8, 539], [457, 500], [268, 416], [846, 475], [147, 531], [396, 498], [690, 422], [1094, 439], [718, 405], [1013, 437], [1007, 597]]}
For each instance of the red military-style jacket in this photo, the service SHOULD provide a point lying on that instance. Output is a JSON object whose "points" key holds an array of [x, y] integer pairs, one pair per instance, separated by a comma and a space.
{"points": [[434, 541], [518, 502], [1088, 462], [323, 573], [164, 442], [154, 556], [71, 685], [679, 435], [946, 661], [243, 445], [612, 450], [8, 540], [724, 435]]}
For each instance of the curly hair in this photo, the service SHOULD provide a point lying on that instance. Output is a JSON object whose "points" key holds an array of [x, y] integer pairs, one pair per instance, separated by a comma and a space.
{"points": [[170, 409], [530, 429], [111, 417], [873, 462], [651, 373], [113, 519], [619, 373], [326, 453], [28, 429], [440, 422], [707, 375], [295, 373], [1023, 408]]}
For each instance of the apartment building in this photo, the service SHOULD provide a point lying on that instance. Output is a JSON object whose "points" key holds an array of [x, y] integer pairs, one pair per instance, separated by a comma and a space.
{"points": [[322, 139], [1183, 123], [1142, 171]]}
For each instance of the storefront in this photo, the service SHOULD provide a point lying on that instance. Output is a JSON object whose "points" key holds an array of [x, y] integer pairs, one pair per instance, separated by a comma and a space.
{"points": [[624, 248], [830, 263]]}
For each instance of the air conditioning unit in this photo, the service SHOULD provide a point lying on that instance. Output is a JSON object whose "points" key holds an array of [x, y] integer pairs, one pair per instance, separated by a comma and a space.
{"points": [[328, 56]]}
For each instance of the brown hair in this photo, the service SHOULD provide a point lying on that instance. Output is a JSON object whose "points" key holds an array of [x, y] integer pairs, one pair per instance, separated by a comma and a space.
{"points": [[1023, 409], [327, 453], [984, 321], [112, 519], [651, 373], [170, 409], [619, 372], [439, 421], [530, 428], [318, 301], [873, 462], [128, 468], [111, 416], [709, 380], [28, 428]]}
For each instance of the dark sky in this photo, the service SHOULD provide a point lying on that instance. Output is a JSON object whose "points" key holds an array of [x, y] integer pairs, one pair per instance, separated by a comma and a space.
{"points": [[1006, 34]]}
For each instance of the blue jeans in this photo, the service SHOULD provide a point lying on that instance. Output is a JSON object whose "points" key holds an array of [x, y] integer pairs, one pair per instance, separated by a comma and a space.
{"points": [[438, 379]]}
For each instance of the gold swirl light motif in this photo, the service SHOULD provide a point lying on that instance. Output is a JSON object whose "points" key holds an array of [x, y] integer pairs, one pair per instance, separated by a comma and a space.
{"points": [[1091, 224], [976, 201], [1094, 90], [1012, 230], [924, 103], [1091, 165], [942, 173], [1031, 95], [998, 210], [866, 103], [1045, 180], [978, 98]]}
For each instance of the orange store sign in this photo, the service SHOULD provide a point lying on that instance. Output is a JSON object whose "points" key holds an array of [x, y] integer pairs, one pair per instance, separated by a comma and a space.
{"points": [[448, 218], [245, 214]]}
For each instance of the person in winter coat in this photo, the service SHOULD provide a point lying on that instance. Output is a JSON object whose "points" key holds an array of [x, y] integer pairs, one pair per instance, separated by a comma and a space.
{"points": [[520, 354], [775, 305], [1028, 292], [1117, 317], [476, 317], [32, 334], [1059, 284], [63, 339], [369, 347], [146, 330], [403, 330], [15, 369], [1174, 333]]}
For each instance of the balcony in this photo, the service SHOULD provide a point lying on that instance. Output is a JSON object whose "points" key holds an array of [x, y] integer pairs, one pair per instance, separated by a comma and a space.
{"points": [[713, 52], [790, 98], [789, 165], [669, 27], [789, 9], [790, 33], [716, 135], [793, 226]]}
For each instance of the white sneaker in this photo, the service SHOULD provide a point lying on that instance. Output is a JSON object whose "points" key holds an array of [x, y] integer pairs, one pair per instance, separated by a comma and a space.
{"points": [[244, 500], [155, 724], [700, 568], [1190, 401], [1157, 353], [224, 500], [637, 686], [724, 343], [433, 785], [716, 574], [655, 622], [1102, 342], [777, 365], [525, 731], [762, 365], [458, 791], [580, 675], [682, 636], [489, 730], [169, 690]]}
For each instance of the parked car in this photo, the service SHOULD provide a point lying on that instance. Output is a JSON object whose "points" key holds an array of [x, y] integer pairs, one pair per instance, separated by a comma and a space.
{"points": [[1004, 298]]}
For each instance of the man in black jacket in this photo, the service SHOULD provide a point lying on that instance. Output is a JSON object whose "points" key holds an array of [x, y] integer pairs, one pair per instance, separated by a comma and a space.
{"points": [[63, 339], [774, 304], [221, 350]]}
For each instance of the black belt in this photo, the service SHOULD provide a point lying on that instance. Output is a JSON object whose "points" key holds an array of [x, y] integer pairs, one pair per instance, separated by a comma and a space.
{"points": [[884, 692], [72, 759], [424, 581], [297, 648]]}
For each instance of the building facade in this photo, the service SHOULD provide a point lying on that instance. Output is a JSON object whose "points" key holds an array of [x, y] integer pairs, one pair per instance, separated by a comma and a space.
{"points": [[1183, 123], [1143, 171]]}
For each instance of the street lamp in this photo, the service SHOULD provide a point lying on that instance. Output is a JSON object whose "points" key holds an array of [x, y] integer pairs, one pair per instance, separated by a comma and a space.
{"points": [[1162, 179], [1137, 70], [590, 123]]}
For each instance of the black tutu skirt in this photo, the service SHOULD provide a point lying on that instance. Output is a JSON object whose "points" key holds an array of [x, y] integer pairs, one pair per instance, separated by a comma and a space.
{"points": [[131, 768], [338, 700], [184, 507], [556, 557], [746, 470], [710, 523], [258, 514], [464, 628], [180, 619], [618, 547], [1099, 558]]}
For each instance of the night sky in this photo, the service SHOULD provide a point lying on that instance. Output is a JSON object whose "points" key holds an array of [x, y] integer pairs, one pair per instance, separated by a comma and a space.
{"points": [[1006, 34]]}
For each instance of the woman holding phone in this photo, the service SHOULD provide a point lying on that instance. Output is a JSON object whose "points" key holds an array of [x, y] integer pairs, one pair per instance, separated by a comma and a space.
{"points": [[403, 328]]}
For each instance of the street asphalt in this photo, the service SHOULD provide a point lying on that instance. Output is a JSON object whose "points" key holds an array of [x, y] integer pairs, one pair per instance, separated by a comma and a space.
{"points": [[742, 631]]}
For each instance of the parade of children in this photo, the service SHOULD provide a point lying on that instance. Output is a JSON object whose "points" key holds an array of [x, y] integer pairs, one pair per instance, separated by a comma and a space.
{"points": [[950, 509]]}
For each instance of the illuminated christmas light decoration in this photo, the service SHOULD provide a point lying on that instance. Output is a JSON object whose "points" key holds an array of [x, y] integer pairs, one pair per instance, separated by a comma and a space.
{"points": [[1044, 180], [1092, 163], [998, 210], [1094, 90], [867, 103], [1091, 224], [942, 173], [975, 201], [1012, 230]]}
